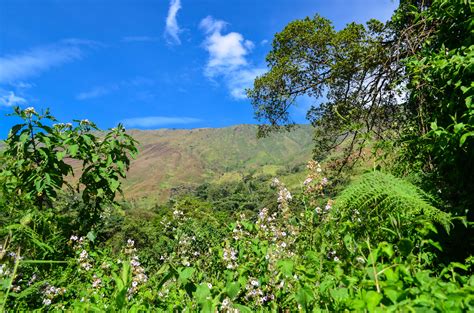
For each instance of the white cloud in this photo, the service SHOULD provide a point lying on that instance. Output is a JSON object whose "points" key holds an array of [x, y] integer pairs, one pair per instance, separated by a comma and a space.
{"points": [[33, 62], [96, 92], [172, 28], [156, 121], [11, 99], [241, 80], [22, 85], [226, 52], [103, 90], [228, 57], [264, 42], [139, 39]]}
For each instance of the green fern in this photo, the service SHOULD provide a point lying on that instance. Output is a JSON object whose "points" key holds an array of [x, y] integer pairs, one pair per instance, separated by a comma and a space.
{"points": [[378, 195]]}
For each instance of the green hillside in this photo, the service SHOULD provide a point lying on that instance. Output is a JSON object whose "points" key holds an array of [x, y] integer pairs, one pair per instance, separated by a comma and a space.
{"points": [[185, 158]]}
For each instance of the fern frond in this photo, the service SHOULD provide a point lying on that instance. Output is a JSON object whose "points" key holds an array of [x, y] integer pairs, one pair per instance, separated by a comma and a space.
{"points": [[378, 194]]}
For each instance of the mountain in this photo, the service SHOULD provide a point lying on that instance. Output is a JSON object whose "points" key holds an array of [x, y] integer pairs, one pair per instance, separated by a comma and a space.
{"points": [[170, 159]]}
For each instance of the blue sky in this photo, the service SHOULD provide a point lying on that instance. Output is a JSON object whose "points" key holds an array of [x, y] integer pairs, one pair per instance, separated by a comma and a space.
{"points": [[148, 63]]}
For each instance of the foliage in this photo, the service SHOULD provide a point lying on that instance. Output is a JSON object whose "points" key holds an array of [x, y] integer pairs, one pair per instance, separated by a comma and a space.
{"points": [[245, 246], [350, 69], [441, 84], [36, 163], [382, 197], [293, 256], [35, 180]]}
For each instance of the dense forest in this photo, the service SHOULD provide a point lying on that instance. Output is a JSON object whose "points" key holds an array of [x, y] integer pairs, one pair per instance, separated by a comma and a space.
{"points": [[382, 219]]}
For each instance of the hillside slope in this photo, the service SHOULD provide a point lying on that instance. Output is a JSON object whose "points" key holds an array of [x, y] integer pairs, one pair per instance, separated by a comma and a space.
{"points": [[178, 158]]}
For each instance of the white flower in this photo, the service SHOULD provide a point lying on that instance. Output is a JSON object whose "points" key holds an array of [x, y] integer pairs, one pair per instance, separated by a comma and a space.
{"points": [[29, 111], [96, 283], [46, 301], [254, 282], [327, 207], [135, 263], [225, 302], [209, 285], [86, 266], [83, 254]]}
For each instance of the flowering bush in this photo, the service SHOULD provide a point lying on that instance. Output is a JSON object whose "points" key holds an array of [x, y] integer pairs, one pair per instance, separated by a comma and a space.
{"points": [[303, 252]]}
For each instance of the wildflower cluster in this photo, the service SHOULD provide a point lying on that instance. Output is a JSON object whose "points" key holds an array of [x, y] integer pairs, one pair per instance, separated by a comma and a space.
{"points": [[79, 246], [315, 181], [254, 292], [50, 293], [314, 186], [30, 111], [186, 246], [229, 255], [62, 126], [263, 242], [226, 306], [138, 272], [284, 197]]}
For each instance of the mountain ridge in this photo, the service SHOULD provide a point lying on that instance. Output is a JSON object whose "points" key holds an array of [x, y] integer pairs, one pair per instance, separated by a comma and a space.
{"points": [[169, 158]]}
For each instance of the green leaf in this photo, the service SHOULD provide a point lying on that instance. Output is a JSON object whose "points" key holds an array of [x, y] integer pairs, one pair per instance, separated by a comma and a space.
{"points": [[91, 236], [304, 296], [60, 155], [73, 150], [202, 293], [286, 267], [114, 184], [464, 137], [405, 246], [391, 294], [340, 294], [372, 298], [232, 289], [185, 274]]}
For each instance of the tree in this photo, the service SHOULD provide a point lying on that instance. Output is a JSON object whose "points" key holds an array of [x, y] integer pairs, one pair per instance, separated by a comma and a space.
{"points": [[408, 82], [363, 75], [34, 171], [440, 80], [352, 70]]}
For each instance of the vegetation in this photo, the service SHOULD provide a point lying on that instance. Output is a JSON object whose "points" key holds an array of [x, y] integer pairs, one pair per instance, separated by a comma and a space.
{"points": [[381, 222], [173, 160]]}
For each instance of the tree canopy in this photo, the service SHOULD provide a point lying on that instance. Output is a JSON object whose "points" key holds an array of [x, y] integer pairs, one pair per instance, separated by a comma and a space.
{"points": [[371, 81]]}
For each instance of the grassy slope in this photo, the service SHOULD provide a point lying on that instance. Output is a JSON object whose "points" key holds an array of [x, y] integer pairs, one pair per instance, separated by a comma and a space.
{"points": [[172, 158]]}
